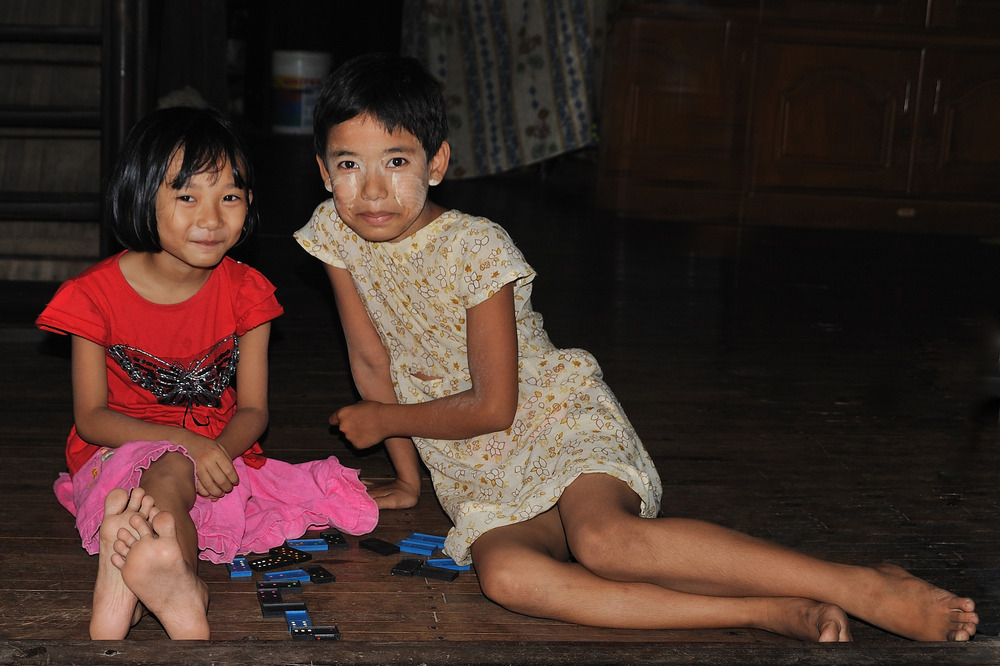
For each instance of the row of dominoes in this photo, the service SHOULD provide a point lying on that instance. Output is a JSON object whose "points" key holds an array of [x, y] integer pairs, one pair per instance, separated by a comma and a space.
{"points": [[417, 544], [293, 551], [420, 544], [443, 568], [271, 596], [276, 584]]}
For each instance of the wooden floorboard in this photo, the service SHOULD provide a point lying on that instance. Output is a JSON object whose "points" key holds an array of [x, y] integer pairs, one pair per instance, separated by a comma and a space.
{"points": [[824, 390]]}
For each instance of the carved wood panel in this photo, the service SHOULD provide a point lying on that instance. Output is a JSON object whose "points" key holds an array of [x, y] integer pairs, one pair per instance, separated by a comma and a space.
{"points": [[830, 116]]}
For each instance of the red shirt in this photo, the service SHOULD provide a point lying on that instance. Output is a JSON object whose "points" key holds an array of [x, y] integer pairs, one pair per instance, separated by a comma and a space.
{"points": [[168, 364]]}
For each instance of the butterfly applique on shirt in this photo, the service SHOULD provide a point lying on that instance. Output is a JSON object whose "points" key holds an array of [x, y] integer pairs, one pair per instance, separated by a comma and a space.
{"points": [[201, 382]]}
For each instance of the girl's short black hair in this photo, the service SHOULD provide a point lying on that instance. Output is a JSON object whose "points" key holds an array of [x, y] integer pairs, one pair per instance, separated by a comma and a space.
{"points": [[206, 138], [396, 91]]}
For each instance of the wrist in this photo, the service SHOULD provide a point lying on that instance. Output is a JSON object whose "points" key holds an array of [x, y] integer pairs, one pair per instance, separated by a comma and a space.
{"points": [[384, 415]]}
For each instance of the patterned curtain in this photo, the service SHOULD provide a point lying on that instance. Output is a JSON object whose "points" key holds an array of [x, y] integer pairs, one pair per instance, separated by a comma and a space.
{"points": [[521, 77]]}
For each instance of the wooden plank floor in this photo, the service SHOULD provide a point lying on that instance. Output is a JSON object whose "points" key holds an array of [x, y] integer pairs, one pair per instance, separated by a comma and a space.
{"points": [[820, 389]]}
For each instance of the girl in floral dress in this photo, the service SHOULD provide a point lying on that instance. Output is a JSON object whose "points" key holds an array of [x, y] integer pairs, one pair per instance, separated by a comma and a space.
{"points": [[552, 495]]}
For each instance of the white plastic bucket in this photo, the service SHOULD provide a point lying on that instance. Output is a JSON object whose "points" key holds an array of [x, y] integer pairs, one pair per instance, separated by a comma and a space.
{"points": [[297, 77]]}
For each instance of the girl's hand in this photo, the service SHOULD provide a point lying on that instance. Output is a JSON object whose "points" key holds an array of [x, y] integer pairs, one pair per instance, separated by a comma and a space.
{"points": [[360, 423], [216, 475], [394, 495]]}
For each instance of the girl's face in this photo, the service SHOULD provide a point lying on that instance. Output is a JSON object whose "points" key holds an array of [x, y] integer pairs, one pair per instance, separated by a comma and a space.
{"points": [[379, 180], [202, 220]]}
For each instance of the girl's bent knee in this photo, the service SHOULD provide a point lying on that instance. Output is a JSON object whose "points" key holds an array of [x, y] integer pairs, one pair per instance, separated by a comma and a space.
{"points": [[170, 464], [507, 586], [601, 547], [172, 474], [498, 583]]}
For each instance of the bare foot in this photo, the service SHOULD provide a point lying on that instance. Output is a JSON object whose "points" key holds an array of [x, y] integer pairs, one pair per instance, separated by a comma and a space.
{"points": [[154, 569], [913, 608], [807, 620], [116, 608]]}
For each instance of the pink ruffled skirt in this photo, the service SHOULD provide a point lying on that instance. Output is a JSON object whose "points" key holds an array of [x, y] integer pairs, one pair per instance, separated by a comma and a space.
{"points": [[277, 502]]}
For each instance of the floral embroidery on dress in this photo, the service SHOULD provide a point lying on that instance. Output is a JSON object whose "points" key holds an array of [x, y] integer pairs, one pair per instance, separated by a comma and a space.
{"points": [[103, 455]]}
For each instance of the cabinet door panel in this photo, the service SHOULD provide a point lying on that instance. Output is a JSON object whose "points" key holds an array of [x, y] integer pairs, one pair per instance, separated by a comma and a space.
{"points": [[959, 140], [674, 96], [836, 117], [968, 16]]}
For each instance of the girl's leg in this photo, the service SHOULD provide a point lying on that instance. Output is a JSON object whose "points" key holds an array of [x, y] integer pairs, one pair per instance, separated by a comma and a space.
{"points": [[170, 481], [525, 568], [158, 557], [116, 608], [606, 535]]}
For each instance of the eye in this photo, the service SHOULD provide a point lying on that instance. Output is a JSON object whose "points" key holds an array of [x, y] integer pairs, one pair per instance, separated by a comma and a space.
{"points": [[185, 197], [232, 197], [397, 162], [347, 164]]}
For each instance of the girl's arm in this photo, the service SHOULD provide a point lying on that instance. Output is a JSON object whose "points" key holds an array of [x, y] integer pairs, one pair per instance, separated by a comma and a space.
{"points": [[370, 369], [250, 420], [488, 406], [100, 425]]}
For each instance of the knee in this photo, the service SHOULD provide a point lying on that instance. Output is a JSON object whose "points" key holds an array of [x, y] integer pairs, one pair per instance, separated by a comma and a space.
{"points": [[172, 474], [601, 547], [509, 583], [500, 582], [169, 464]]}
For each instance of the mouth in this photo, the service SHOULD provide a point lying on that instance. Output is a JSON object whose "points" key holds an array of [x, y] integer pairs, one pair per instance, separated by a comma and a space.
{"points": [[207, 244], [376, 218]]}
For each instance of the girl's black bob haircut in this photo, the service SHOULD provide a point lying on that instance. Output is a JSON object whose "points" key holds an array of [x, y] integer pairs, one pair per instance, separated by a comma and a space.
{"points": [[206, 139], [396, 91]]}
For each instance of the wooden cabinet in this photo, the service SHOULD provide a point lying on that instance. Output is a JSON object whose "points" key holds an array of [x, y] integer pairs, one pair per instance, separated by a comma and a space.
{"points": [[969, 17], [958, 139], [832, 116], [856, 114], [675, 91]]}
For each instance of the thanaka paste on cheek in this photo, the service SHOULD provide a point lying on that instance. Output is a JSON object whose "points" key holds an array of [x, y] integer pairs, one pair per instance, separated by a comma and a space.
{"points": [[345, 190], [410, 190]]}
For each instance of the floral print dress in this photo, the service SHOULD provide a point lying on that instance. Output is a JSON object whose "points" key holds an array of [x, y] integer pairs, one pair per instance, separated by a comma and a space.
{"points": [[568, 422]]}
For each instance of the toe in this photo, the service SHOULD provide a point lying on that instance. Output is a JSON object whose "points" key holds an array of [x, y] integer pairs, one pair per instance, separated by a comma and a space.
{"points": [[126, 537], [135, 498], [163, 524], [139, 524], [115, 501]]}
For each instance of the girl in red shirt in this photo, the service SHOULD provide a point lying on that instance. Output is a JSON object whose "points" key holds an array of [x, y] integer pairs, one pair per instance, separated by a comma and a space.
{"points": [[163, 458]]}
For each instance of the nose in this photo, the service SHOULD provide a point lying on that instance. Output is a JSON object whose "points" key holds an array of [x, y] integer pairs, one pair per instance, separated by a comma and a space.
{"points": [[210, 216], [373, 186]]}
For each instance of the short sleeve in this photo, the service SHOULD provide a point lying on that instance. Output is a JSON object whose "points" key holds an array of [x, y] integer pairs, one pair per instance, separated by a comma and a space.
{"points": [[74, 311], [255, 302], [320, 236], [491, 261]]}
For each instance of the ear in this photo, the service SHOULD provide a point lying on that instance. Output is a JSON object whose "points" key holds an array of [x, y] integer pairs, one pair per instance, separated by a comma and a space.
{"points": [[324, 174], [439, 164]]}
